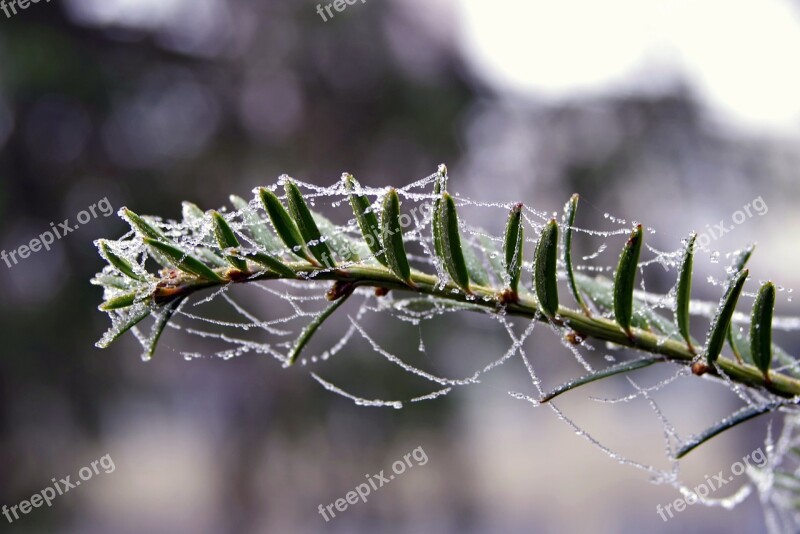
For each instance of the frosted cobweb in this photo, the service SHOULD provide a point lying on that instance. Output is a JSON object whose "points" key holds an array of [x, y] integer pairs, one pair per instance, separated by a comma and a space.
{"points": [[267, 316]]}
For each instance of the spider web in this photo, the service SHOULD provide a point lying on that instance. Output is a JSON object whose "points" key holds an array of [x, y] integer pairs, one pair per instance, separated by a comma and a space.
{"points": [[229, 322]]}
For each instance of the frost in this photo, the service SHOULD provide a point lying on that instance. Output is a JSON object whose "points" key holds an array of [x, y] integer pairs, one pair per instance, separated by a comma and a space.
{"points": [[225, 324], [359, 401]]}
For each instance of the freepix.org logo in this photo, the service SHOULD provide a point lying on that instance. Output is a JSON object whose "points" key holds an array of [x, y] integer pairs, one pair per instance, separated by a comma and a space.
{"points": [[757, 206], [712, 483], [59, 487], [362, 491], [337, 5], [47, 238], [10, 7]]}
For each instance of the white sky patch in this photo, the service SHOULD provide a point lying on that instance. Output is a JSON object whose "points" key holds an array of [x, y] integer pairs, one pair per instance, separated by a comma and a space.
{"points": [[741, 57]]}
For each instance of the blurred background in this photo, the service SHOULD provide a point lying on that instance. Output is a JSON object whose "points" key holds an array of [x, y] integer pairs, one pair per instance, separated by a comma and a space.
{"points": [[675, 114]]}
